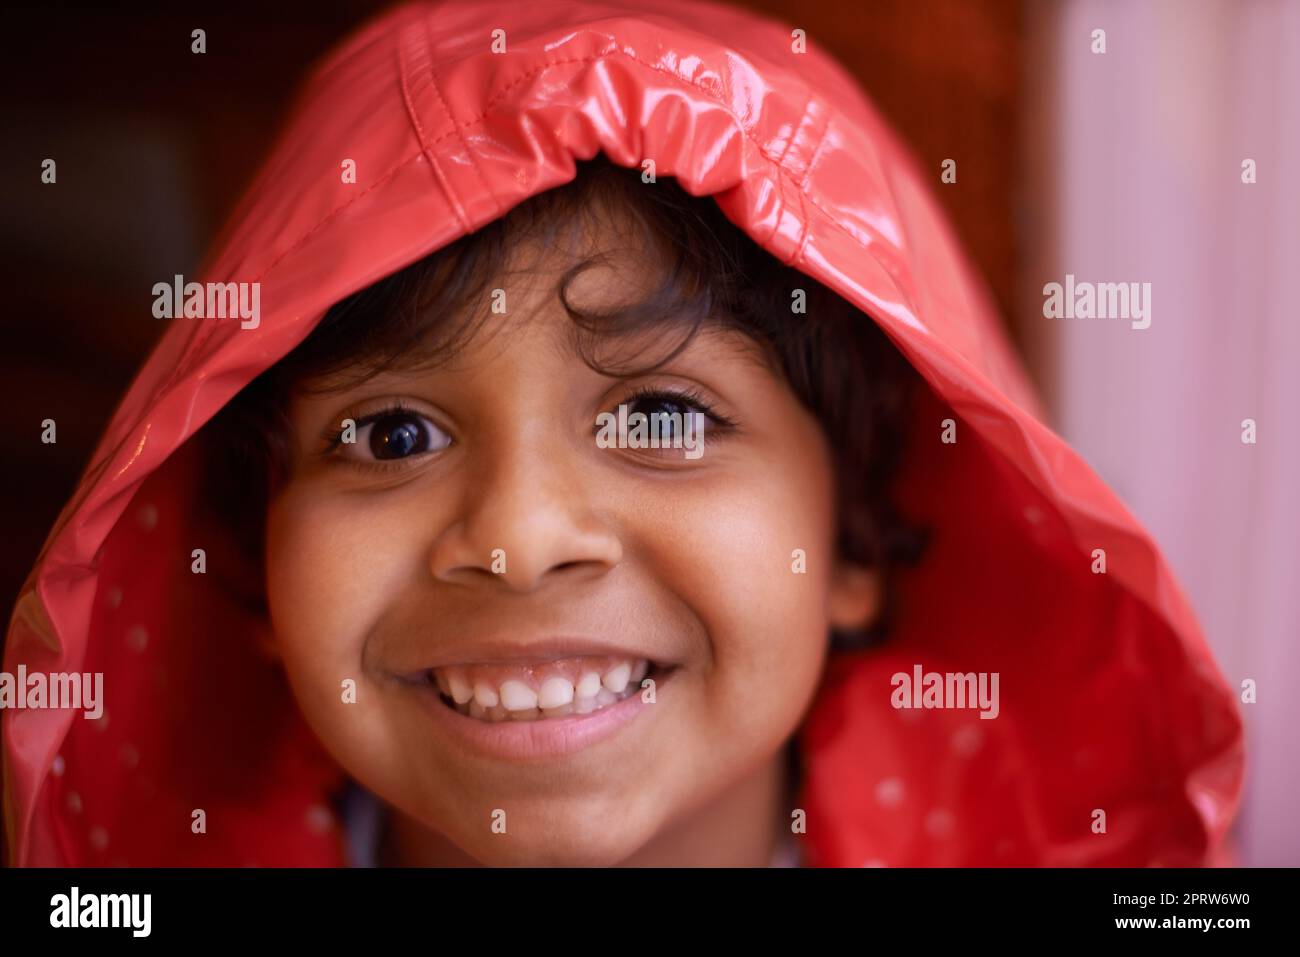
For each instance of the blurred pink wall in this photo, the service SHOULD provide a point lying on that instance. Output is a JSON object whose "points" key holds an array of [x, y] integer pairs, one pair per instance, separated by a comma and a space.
{"points": [[1142, 152]]}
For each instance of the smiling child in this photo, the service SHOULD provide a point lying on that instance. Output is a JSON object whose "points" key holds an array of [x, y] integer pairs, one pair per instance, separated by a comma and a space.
{"points": [[474, 544], [368, 582]]}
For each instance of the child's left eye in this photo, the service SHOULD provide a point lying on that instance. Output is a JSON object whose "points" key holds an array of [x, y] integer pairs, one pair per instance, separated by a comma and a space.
{"points": [[669, 402], [393, 434]]}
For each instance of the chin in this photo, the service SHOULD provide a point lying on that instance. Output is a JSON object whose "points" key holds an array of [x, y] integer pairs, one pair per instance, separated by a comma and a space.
{"points": [[555, 846]]}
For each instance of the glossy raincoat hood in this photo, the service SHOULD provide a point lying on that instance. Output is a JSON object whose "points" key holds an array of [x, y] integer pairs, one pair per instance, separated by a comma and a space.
{"points": [[1110, 699]]}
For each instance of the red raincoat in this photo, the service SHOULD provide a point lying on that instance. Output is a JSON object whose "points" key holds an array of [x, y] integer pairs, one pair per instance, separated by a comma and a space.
{"points": [[1112, 700]]}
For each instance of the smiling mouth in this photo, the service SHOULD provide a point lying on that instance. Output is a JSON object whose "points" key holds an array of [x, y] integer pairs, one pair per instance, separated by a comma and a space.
{"points": [[537, 691]]}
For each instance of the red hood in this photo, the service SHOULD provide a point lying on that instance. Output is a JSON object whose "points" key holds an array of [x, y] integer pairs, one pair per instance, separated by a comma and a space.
{"points": [[1112, 699]]}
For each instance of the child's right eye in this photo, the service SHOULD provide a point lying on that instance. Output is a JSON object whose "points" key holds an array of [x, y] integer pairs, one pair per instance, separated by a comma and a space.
{"points": [[392, 434]]}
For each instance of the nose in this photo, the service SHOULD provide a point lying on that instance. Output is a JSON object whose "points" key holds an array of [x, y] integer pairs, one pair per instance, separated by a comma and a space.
{"points": [[525, 518]]}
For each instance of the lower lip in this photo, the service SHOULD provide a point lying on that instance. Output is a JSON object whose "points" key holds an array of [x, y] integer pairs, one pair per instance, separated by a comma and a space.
{"points": [[541, 738]]}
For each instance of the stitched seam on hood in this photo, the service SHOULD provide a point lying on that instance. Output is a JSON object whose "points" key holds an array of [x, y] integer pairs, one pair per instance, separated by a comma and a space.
{"points": [[780, 167], [812, 157], [455, 128], [802, 191], [426, 151]]}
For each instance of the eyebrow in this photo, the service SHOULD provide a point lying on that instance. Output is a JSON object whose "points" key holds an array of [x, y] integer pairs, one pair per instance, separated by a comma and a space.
{"points": [[748, 347]]}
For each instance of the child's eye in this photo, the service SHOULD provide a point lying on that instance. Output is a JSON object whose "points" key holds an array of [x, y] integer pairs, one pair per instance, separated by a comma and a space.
{"points": [[672, 409], [668, 401], [668, 422], [393, 434]]}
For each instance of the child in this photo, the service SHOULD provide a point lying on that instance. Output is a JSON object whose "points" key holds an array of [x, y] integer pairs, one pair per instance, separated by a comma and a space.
{"points": [[411, 598]]}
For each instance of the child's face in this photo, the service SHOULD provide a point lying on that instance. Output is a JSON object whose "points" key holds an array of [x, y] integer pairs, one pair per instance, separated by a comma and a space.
{"points": [[379, 570]]}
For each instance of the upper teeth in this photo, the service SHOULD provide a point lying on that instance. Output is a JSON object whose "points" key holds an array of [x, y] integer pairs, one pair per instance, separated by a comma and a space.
{"points": [[582, 683]]}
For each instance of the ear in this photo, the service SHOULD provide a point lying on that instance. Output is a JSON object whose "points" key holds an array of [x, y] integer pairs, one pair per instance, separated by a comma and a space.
{"points": [[855, 596]]}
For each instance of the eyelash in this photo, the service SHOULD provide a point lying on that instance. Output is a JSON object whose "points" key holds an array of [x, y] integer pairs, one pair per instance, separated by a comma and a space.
{"points": [[685, 396]]}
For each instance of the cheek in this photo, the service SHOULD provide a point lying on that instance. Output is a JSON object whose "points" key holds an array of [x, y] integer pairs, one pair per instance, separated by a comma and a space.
{"points": [[330, 575], [731, 553]]}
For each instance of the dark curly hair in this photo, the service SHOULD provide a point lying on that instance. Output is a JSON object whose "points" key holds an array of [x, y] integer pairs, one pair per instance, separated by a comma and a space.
{"points": [[836, 360]]}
